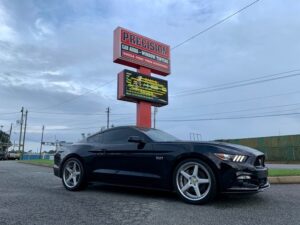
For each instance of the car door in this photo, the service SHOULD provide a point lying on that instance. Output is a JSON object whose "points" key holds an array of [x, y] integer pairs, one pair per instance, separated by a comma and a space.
{"points": [[96, 153], [129, 163]]}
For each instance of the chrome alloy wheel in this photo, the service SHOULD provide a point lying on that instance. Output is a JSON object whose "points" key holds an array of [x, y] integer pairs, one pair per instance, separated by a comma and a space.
{"points": [[193, 181], [71, 174]]}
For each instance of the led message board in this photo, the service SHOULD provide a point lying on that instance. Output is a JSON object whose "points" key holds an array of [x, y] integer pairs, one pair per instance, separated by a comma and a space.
{"points": [[134, 50], [135, 87]]}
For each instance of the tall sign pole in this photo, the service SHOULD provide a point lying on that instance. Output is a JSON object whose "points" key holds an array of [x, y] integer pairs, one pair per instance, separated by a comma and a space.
{"points": [[147, 56], [143, 109]]}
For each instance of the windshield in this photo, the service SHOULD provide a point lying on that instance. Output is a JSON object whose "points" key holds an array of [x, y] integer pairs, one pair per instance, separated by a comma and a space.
{"points": [[159, 136]]}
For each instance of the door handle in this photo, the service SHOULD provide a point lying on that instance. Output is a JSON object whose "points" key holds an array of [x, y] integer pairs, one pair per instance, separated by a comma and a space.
{"points": [[101, 152]]}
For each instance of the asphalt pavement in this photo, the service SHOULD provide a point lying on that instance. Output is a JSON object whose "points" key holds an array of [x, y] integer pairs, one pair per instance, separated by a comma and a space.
{"points": [[32, 195]]}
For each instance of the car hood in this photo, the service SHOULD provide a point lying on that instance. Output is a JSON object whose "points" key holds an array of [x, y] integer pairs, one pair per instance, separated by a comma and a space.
{"points": [[231, 148], [237, 148]]}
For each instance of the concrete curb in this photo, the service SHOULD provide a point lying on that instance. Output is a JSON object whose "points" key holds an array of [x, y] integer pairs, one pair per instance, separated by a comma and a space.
{"points": [[284, 180]]}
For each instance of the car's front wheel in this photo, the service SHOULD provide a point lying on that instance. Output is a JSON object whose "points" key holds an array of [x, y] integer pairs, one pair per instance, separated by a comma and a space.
{"points": [[194, 181], [73, 175]]}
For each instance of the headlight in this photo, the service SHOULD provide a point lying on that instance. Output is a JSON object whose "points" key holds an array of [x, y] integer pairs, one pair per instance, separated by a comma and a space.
{"points": [[233, 158]]}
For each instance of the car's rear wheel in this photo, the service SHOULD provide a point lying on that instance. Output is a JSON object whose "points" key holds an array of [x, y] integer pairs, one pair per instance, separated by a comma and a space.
{"points": [[194, 181], [73, 175]]}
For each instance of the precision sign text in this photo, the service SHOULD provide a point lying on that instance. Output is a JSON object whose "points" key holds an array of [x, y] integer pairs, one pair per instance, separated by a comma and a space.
{"points": [[134, 50], [134, 87]]}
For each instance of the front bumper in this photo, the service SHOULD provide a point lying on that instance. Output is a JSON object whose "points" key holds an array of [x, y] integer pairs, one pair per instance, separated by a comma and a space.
{"points": [[241, 189], [245, 179]]}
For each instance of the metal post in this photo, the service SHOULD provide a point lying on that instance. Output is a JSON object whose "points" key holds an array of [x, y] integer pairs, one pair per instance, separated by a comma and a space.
{"points": [[56, 144], [25, 126], [107, 122], [199, 135], [154, 119], [21, 127], [42, 139]]}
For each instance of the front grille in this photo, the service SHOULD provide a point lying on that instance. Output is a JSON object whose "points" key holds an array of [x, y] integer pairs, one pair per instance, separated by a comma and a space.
{"points": [[260, 161], [262, 182]]}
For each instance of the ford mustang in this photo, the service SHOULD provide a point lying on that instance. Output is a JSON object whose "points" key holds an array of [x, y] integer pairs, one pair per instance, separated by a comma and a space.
{"points": [[153, 159]]}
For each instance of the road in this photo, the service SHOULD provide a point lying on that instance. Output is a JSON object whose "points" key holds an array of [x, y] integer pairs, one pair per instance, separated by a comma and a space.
{"points": [[32, 195]]}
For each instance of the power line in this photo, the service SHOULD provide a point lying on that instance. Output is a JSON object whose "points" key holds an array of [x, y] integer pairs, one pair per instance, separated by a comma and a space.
{"points": [[218, 113], [190, 120], [242, 100], [226, 112], [72, 128], [214, 25], [117, 114], [253, 109], [229, 118], [207, 90], [9, 113], [78, 96], [240, 81], [76, 114]]}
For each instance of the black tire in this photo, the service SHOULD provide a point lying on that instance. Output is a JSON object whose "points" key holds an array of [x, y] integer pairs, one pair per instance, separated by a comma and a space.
{"points": [[80, 180], [189, 186]]}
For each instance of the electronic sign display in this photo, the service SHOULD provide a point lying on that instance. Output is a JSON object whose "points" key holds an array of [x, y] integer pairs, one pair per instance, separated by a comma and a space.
{"points": [[135, 87]]}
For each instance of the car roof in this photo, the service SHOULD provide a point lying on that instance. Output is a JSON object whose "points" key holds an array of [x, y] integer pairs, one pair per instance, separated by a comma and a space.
{"points": [[122, 127]]}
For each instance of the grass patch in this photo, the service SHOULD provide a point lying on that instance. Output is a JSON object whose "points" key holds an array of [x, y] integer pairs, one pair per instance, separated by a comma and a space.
{"points": [[43, 162], [284, 172]]}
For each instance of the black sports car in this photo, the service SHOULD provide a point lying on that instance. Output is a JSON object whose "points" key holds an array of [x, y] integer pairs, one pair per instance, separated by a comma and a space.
{"points": [[151, 158]]}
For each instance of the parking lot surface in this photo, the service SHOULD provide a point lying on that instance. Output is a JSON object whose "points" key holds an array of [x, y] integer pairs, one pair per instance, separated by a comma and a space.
{"points": [[33, 195]]}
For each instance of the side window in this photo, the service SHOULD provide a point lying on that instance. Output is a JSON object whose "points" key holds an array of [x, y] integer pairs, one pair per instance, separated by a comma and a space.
{"points": [[95, 138], [119, 136]]}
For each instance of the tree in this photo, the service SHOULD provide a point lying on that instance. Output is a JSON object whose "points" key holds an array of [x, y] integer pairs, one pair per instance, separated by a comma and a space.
{"points": [[51, 152], [4, 144]]}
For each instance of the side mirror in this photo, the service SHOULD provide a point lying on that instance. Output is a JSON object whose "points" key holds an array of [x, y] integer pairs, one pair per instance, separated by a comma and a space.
{"points": [[136, 139]]}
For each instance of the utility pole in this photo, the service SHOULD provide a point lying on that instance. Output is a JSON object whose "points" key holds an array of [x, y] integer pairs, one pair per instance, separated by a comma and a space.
{"points": [[108, 112], [42, 139], [9, 141], [10, 130], [25, 126], [154, 117], [56, 145], [21, 127]]}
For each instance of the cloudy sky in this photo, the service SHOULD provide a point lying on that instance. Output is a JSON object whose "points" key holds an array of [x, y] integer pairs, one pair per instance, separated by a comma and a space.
{"points": [[56, 61]]}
